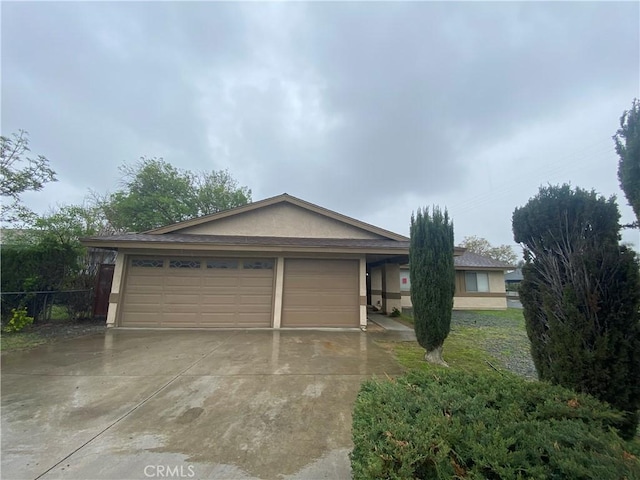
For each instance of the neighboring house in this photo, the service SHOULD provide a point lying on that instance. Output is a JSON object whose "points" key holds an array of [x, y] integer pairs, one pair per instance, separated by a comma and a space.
{"points": [[480, 283], [279, 262], [513, 279]]}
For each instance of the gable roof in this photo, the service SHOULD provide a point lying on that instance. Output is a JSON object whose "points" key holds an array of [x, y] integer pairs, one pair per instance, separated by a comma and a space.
{"points": [[474, 260], [515, 276], [284, 198]]}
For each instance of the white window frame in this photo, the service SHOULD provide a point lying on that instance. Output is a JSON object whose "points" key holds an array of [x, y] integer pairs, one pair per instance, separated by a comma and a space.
{"points": [[486, 288]]}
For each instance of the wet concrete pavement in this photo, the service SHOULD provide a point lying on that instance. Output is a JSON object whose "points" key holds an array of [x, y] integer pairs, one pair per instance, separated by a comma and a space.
{"points": [[133, 404]]}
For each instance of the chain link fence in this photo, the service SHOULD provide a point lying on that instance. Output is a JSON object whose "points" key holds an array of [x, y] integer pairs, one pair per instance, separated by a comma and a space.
{"points": [[48, 306]]}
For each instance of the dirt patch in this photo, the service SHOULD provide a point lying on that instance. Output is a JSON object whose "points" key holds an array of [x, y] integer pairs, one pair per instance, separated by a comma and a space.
{"points": [[50, 332]]}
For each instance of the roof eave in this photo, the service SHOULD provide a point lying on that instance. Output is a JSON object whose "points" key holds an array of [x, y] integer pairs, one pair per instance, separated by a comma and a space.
{"points": [[169, 246]]}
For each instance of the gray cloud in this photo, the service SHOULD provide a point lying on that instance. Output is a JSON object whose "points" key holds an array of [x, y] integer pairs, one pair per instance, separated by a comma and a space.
{"points": [[359, 107]]}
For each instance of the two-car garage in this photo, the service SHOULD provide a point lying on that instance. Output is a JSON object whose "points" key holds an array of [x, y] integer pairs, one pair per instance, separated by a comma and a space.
{"points": [[219, 292]]}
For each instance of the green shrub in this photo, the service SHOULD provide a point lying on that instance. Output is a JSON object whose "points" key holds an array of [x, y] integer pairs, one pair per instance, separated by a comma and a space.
{"points": [[19, 320], [395, 312], [581, 296], [456, 425], [44, 266]]}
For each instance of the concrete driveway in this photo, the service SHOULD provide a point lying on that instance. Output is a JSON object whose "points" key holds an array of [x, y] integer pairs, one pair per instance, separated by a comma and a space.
{"points": [[132, 404]]}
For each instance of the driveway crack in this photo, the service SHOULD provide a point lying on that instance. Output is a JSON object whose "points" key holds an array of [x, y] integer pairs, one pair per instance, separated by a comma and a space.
{"points": [[134, 408]]}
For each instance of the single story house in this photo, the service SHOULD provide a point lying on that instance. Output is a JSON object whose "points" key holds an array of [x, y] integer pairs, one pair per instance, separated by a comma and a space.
{"points": [[513, 279], [480, 283], [281, 262]]}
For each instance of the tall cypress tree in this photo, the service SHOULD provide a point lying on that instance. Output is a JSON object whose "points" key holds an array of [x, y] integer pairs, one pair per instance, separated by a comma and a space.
{"points": [[581, 296], [432, 279], [627, 140]]}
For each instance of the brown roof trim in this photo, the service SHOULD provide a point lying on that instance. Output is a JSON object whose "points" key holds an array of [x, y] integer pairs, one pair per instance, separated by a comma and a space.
{"points": [[275, 200], [173, 241]]}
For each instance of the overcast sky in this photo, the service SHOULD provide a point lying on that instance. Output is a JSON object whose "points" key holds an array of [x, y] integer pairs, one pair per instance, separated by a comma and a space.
{"points": [[369, 109]]}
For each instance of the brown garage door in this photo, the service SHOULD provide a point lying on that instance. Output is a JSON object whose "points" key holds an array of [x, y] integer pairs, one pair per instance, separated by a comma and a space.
{"points": [[198, 292], [320, 293]]}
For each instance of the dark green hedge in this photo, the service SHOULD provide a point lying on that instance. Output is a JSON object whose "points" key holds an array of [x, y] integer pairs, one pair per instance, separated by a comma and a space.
{"points": [[458, 425], [44, 266]]}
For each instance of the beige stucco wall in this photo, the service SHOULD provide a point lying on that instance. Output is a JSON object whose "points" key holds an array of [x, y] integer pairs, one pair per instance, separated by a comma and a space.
{"points": [[469, 303], [376, 286], [277, 293], [362, 274], [280, 220], [480, 303], [406, 300], [474, 301], [116, 290], [496, 282], [391, 287]]}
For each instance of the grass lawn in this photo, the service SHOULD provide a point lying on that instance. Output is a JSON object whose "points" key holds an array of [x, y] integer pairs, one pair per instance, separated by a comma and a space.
{"points": [[54, 330], [20, 341], [479, 341]]}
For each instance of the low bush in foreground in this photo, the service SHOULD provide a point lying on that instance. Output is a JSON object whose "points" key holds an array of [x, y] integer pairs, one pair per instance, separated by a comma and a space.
{"points": [[453, 424]]}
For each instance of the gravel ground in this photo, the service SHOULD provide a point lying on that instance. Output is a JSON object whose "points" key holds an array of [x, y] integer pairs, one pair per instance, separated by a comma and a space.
{"points": [[505, 339]]}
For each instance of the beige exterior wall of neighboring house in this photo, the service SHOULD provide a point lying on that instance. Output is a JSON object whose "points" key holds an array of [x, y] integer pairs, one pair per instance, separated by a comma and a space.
{"points": [[280, 220], [494, 299], [480, 303]]}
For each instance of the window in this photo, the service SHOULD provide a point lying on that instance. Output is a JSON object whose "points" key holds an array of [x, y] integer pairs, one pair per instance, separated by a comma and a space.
{"points": [[184, 264], [147, 262], [476, 281], [258, 264], [405, 281], [228, 263]]}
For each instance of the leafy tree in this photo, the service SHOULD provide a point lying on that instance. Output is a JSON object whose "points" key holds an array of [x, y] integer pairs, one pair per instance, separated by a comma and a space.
{"points": [[481, 246], [65, 226], [627, 140], [68, 223], [218, 190], [432, 279], [581, 296], [49, 257], [20, 173], [155, 194]]}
